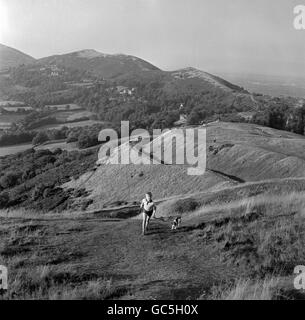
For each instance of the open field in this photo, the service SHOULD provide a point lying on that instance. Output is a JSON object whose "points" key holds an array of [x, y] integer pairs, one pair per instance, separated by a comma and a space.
{"points": [[11, 103], [70, 124], [51, 145], [14, 149], [5, 125], [7, 119], [81, 84], [63, 107], [79, 115], [72, 115], [17, 108]]}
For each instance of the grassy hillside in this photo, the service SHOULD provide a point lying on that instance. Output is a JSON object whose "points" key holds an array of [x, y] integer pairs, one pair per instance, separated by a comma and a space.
{"points": [[10, 57], [256, 153], [104, 65], [240, 237], [238, 155], [253, 158], [122, 87], [245, 252], [121, 183]]}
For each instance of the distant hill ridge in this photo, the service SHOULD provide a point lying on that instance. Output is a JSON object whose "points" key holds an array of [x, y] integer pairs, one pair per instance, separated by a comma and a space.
{"points": [[111, 66], [10, 57], [100, 64]]}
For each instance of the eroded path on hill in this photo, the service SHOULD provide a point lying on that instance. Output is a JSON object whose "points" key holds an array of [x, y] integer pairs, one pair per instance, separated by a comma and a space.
{"points": [[164, 264]]}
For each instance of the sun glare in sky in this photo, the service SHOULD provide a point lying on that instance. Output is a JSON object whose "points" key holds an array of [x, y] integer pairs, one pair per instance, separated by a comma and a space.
{"points": [[3, 20], [240, 36]]}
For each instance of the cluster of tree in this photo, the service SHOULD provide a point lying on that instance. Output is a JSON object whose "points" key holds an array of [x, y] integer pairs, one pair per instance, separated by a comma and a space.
{"points": [[42, 88], [50, 135], [157, 102], [37, 119], [16, 137], [283, 114], [32, 77], [287, 118], [85, 137], [32, 178], [27, 77], [54, 98], [42, 76], [38, 100], [19, 135]]}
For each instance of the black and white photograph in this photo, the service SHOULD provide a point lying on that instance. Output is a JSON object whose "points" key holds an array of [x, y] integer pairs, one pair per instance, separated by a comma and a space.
{"points": [[152, 151]]}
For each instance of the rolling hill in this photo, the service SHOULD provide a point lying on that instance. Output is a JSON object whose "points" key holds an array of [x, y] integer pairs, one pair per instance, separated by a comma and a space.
{"points": [[182, 81], [238, 155], [10, 57], [195, 89], [118, 87], [193, 73], [104, 65]]}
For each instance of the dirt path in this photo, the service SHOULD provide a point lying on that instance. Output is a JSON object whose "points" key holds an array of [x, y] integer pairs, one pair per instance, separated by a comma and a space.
{"points": [[164, 264]]}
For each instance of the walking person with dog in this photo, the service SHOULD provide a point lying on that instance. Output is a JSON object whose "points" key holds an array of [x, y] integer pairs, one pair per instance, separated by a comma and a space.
{"points": [[148, 210]]}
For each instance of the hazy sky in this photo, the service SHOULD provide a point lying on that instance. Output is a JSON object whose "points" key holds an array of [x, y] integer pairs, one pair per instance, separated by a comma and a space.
{"points": [[247, 36]]}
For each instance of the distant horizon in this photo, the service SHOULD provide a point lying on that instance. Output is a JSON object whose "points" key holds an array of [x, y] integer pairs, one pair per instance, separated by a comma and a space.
{"points": [[217, 36], [216, 73]]}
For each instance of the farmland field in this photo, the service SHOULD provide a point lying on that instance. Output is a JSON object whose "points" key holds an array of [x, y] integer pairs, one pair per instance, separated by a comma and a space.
{"points": [[81, 84], [72, 115], [52, 145], [17, 108], [7, 119], [4, 125], [62, 107], [4, 151], [70, 125], [11, 102]]}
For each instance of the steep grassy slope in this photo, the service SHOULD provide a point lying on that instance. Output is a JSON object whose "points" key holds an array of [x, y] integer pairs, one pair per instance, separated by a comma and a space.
{"points": [[237, 231], [237, 155], [193, 73], [256, 153], [128, 183], [10, 57]]}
